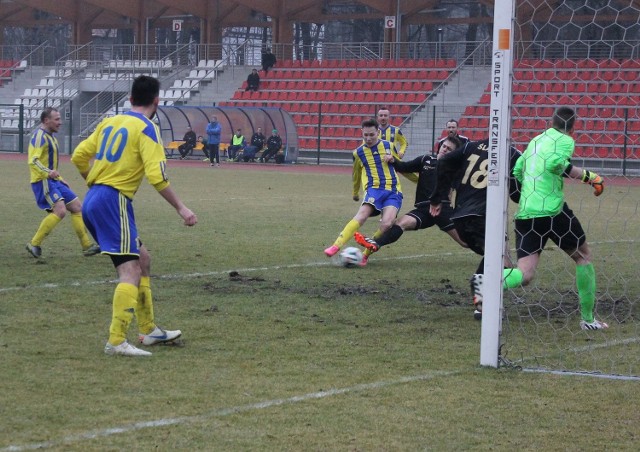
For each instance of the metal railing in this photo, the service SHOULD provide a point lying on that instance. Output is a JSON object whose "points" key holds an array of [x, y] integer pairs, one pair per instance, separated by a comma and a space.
{"points": [[184, 57], [34, 55], [250, 51]]}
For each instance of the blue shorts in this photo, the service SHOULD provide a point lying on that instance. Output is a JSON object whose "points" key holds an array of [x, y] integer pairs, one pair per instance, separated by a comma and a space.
{"points": [[49, 191], [380, 199], [109, 218]]}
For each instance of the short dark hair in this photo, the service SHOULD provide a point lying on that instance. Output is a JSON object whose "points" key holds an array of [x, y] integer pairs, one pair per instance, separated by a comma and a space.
{"points": [[564, 119], [370, 123], [455, 140], [144, 90], [46, 113], [452, 120]]}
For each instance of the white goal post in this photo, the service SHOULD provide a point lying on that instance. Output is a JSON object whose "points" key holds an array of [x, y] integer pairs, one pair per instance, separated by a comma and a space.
{"points": [[544, 58], [498, 174]]}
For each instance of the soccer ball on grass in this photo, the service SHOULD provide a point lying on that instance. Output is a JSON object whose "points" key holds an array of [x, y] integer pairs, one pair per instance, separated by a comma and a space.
{"points": [[350, 257]]}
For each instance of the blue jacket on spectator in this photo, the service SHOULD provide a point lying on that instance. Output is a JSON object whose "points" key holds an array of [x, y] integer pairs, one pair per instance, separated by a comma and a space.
{"points": [[214, 130]]}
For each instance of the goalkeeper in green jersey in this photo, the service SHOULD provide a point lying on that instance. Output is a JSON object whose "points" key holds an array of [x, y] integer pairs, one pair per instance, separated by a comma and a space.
{"points": [[543, 213]]}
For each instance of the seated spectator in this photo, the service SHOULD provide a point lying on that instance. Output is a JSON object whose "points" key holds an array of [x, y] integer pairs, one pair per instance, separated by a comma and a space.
{"points": [[274, 144], [189, 143], [268, 60], [257, 144], [253, 81], [237, 144]]}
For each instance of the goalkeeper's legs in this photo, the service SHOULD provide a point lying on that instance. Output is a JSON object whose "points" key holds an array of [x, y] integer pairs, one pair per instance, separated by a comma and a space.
{"points": [[586, 285]]}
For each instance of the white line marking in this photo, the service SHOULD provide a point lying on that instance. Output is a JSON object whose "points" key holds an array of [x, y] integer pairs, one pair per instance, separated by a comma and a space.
{"points": [[277, 402], [249, 269], [216, 273], [581, 374], [225, 412], [276, 267], [584, 348]]}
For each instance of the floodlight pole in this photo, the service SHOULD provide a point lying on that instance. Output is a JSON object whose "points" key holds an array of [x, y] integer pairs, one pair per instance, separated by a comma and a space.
{"points": [[498, 178]]}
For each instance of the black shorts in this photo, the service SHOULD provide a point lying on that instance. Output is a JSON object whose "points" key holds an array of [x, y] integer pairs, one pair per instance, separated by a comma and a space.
{"points": [[471, 230], [564, 230], [426, 220]]}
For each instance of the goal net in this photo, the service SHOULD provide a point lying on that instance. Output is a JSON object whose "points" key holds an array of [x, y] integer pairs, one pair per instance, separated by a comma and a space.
{"points": [[584, 55]]}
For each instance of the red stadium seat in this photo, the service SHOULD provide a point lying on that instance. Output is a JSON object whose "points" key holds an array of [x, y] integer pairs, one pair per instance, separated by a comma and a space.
{"points": [[415, 98], [333, 108], [330, 97], [618, 88], [405, 110], [354, 109], [525, 75]]}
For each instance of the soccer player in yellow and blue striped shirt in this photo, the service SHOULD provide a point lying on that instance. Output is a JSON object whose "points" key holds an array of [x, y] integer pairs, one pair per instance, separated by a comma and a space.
{"points": [[394, 135], [390, 133], [379, 180], [126, 148], [52, 193]]}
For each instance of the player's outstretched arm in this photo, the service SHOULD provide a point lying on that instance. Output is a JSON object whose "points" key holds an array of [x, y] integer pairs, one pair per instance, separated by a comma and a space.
{"points": [[187, 215], [588, 177], [591, 178]]}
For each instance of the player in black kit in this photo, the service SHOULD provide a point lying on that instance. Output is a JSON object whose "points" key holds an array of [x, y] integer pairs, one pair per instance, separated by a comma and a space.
{"points": [[418, 218], [465, 169]]}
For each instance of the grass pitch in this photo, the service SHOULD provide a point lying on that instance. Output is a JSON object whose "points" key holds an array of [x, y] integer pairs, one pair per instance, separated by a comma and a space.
{"points": [[282, 350]]}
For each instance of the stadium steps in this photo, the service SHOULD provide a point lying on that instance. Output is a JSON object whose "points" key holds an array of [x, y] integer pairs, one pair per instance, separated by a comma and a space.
{"points": [[11, 90], [222, 88], [450, 100]]}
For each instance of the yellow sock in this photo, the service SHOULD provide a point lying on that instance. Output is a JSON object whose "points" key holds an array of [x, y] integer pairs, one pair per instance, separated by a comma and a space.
{"points": [[46, 226], [367, 252], [348, 231], [81, 231], [124, 305], [144, 308]]}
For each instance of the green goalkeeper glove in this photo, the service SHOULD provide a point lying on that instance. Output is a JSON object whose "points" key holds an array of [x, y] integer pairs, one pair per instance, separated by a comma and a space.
{"points": [[591, 178]]}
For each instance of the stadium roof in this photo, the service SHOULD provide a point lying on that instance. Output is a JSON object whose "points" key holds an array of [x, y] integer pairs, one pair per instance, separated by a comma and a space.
{"points": [[215, 15]]}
